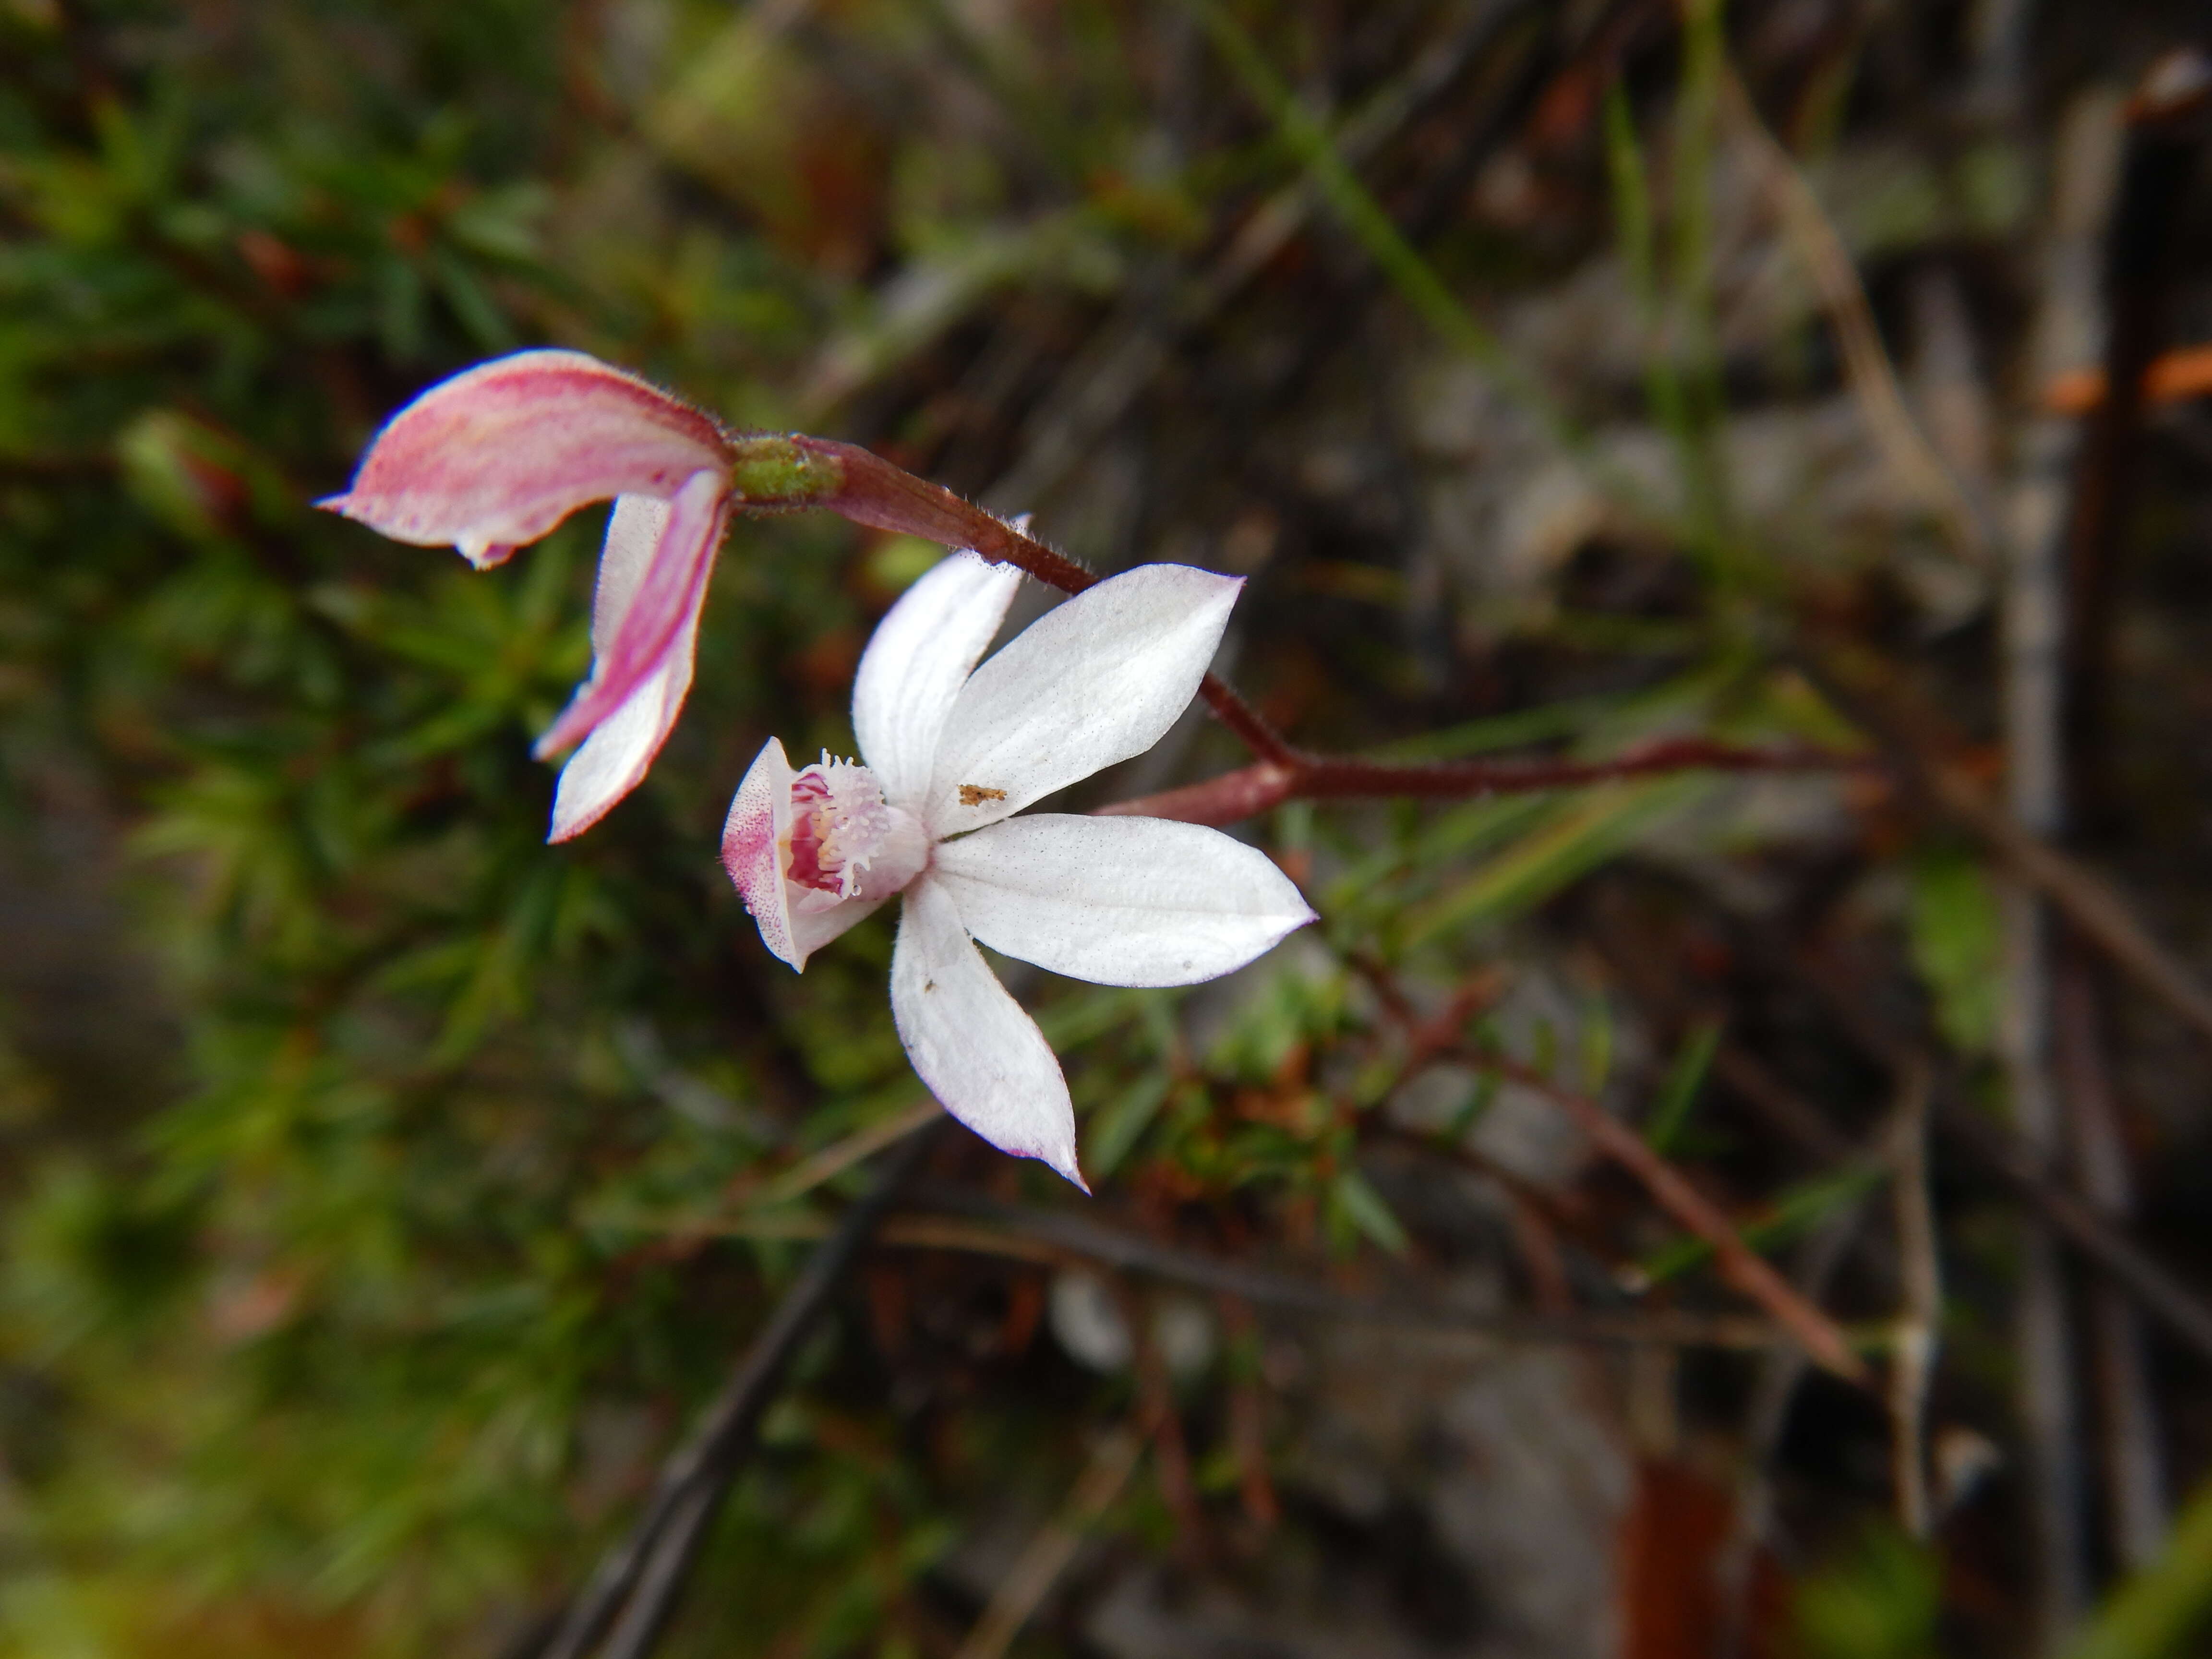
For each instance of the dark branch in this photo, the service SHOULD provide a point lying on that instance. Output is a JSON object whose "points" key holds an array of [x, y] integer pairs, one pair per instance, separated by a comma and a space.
{"points": [[640, 1580]]}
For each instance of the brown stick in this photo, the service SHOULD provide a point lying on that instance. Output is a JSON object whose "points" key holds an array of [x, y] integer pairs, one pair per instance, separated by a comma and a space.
{"points": [[2161, 155], [1740, 1265], [2013, 1159], [1054, 1547], [1027, 1233], [1920, 1315], [2133, 1464], [1867, 369], [2087, 901], [2083, 897]]}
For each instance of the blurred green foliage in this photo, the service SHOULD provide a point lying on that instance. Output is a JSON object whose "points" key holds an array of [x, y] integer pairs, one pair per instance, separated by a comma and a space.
{"points": [[1878, 1600], [352, 1308], [355, 1321], [308, 1329]]}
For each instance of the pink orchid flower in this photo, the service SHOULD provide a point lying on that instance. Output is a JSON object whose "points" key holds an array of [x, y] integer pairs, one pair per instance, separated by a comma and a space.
{"points": [[949, 752], [497, 457]]}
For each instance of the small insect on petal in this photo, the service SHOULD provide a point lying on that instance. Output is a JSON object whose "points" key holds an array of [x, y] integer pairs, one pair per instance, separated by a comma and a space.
{"points": [[973, 794]]}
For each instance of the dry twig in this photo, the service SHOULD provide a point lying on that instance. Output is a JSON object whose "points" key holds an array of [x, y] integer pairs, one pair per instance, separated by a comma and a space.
{"points": [[1739, 1263], [1024, 1589], [1867, 367], [632, 1595], [1920, 1317]]}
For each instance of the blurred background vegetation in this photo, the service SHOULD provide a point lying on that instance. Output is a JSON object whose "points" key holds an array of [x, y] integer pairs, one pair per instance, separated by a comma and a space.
{"points": [[382, 1190]]}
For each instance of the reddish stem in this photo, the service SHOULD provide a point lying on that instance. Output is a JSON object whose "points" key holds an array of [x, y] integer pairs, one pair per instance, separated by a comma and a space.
{"points": [[1742, 1267], [886, 497], [1299, 776], [1739, 1264], [871, 491]]}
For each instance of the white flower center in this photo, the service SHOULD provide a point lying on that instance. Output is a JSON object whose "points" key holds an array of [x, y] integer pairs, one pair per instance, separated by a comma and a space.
{"points": [[839, 825]]}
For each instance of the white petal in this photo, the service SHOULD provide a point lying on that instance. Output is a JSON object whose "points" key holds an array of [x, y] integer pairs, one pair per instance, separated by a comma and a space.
{"points": [[813, 929], [982, 1056], [660, 602], [615, 758], [1119, 901], [1096, 681], [920, 655], [634, 530]]}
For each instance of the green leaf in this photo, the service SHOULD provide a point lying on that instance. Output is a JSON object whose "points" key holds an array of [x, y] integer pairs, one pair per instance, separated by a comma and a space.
{"points": [[1122, 1124], [1881, 1600], [1584, 831], [1957, 937], [1679, 1093], [1799, 1209], [2161, 1611], [1354, 1206]]}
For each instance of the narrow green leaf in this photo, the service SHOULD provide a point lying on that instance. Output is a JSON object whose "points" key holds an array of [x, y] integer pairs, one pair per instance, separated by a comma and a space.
{"points": [[1588, 829], [1120, 1124], [1799, 1210], [2160, 1611], [1352, 1199], [1679, 1093]]}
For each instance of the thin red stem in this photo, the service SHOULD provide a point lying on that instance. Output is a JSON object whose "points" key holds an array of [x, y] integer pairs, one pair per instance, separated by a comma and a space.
{"points": [[1252, 790], [1741, 1266], [873, 491]]}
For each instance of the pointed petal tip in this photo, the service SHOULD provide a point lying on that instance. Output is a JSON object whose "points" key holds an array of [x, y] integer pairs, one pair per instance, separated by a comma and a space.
{"points": [[570, 820], [1060, 1159], [482, 554], [920, 655]]}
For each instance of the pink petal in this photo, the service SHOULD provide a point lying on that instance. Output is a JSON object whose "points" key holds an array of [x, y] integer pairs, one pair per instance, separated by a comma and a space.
{"points": [[982, 1056], [633, 532], [615, 758], [497, 456], [755, 837], [662, 612]]}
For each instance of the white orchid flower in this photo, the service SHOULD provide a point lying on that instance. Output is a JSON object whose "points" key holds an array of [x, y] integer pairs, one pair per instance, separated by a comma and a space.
{"points": [[949, 753]]}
